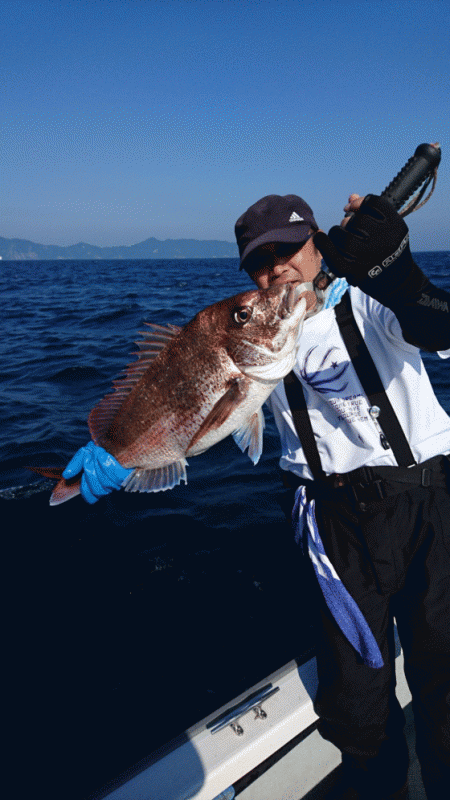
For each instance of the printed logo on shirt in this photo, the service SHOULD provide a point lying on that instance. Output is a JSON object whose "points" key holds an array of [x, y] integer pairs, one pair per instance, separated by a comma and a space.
{"points": [[351, 408], [327, 375]]}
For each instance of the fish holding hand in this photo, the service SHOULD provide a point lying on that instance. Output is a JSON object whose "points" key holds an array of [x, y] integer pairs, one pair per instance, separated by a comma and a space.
{"points": [[189, 388]]}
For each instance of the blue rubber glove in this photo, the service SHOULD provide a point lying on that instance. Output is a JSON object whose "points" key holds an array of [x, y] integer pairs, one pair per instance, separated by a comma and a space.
{"points": [[101, 472]]}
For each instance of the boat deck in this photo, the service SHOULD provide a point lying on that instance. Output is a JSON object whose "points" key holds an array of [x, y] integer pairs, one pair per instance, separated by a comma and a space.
{"points": [[288, 779], [281, 781], [303, 766]]}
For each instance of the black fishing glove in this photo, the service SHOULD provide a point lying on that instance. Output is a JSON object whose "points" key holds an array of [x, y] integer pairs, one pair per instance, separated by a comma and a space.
{"points": [[372, 252]]}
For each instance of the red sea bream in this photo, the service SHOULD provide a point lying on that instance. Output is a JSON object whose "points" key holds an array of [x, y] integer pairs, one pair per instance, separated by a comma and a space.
{"points": [[193, 386]]}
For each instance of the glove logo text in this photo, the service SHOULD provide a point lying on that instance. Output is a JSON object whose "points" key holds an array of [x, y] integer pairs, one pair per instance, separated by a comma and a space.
{"points": [[387, 261], [439, 305]]}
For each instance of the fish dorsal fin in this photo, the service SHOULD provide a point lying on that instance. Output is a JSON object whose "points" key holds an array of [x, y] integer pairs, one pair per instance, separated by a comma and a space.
{"points": [[155, 340], [251, 436], [152, 343], [158, 479]]}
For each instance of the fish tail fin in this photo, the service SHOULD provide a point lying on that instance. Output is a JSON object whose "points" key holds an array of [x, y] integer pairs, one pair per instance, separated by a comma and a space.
{"points": [[48, 472], [64, 489]]}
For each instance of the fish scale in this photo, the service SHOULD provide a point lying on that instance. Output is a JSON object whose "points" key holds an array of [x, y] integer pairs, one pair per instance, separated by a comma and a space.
{"points": [[191, 387]]}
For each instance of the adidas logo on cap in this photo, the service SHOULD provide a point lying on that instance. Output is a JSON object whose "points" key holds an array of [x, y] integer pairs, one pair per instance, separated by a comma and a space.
{"points": [[295, 217]]}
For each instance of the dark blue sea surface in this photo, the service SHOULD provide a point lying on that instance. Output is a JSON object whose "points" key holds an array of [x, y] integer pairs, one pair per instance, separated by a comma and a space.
{"points": [[134, 618]]}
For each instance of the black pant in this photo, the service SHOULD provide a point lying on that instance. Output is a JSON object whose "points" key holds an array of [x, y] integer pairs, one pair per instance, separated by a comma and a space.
{"points": [[394, 559]]}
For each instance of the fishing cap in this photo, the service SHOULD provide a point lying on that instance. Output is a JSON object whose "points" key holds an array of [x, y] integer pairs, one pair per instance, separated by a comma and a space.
{"points": [[274, 218]]}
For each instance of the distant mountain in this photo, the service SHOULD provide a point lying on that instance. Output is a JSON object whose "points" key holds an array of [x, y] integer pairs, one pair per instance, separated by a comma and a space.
{"points": [[22, 249]]}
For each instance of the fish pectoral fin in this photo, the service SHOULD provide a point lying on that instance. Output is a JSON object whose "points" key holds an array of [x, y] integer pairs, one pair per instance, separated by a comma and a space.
{"points": [[251, 436], [220, 412], [158, 479]]}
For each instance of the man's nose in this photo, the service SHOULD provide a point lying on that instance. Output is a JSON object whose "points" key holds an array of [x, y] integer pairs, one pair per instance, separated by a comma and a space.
{"points": [[280, 265]]}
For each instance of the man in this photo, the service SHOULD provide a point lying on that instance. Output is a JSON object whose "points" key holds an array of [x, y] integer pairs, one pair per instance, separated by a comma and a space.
{"points": [[378, 534]]}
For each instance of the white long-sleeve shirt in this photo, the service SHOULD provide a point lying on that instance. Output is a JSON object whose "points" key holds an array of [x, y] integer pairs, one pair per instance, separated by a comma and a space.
{"points": [[346, 435]]}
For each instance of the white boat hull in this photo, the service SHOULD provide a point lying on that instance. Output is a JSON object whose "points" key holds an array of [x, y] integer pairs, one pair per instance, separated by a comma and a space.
{"points": [[202, 765]]}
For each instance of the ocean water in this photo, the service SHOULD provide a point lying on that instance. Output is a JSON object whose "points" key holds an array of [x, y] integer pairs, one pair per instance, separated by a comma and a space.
{"points": [[130, 620]]}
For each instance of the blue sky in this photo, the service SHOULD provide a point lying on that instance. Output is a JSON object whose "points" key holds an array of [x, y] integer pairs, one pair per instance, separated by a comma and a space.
{"points": [[124, 119]]}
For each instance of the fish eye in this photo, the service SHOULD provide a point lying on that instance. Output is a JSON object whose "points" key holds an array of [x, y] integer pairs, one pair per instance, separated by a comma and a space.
{"points": [[242, 314]]}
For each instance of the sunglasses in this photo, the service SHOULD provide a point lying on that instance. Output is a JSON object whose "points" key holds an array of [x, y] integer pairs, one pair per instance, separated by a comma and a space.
{"points": [[267, 254]]}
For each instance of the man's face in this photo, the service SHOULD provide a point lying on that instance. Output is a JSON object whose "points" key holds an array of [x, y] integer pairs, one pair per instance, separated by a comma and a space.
{"points": [[274, 263]]}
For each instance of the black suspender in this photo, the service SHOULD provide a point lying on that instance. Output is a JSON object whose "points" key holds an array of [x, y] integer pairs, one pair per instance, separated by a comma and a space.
{"points": [[371, 382], [372, 385], [297, 404]]}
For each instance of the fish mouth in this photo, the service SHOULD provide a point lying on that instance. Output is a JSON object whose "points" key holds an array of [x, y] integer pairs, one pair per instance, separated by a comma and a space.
{"points": [[274, 358], [293, 292]]}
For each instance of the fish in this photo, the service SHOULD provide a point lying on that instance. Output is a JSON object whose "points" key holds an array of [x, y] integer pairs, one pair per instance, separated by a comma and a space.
{"points": [[193, 386]]}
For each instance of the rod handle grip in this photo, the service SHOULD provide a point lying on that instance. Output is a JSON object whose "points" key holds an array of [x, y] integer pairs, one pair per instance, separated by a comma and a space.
{"points": [[425, 159]]}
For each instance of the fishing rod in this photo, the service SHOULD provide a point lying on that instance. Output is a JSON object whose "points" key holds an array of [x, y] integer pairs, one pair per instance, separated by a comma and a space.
{"points": [[415, 176], [420, 169]]}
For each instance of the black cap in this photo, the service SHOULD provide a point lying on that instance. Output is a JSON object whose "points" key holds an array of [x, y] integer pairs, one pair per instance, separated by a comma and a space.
{"points": [[274, 218]]}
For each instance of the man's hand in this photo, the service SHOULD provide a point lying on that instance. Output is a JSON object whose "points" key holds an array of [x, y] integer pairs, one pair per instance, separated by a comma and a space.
{"points": [[101, 472], [354, 203], [370, 249]]}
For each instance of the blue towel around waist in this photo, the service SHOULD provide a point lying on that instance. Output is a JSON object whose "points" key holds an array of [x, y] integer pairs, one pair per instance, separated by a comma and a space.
{"points": [[342, 606]]}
